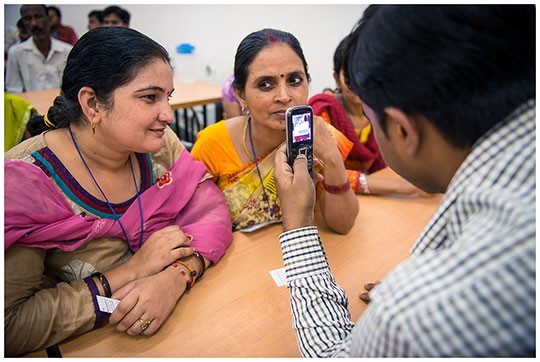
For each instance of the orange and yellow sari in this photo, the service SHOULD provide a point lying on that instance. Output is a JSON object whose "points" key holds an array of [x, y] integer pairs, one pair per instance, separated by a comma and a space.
{"points": [[248, 204]]}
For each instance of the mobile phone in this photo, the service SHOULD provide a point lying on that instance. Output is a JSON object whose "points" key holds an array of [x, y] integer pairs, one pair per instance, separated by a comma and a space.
{"points": [[299, 126]]}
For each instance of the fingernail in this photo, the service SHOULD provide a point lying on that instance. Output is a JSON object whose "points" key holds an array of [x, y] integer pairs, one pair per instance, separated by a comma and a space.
{"points": [[369, 285]]}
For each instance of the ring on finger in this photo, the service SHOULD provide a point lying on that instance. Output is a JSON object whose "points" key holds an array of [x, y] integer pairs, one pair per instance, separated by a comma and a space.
{"points": [[144, 323]]}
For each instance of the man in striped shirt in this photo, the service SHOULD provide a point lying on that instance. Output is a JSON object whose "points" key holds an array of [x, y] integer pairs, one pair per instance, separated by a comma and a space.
{"points": [[450, 94]]}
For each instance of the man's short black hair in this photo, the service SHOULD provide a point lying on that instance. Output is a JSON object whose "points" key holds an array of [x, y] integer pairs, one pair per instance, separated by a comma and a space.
{"points": [[118, 11], [463, 67], [98, 14]]}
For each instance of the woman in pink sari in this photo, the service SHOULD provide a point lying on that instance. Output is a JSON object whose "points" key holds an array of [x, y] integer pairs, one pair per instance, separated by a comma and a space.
{"points": [[107, 202]]}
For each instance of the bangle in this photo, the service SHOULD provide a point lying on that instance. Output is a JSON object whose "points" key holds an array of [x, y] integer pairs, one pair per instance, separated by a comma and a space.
{"points": [[363, 183], [104, 283], [341, 189], [192, 273], [188, 279], [201, 258]]}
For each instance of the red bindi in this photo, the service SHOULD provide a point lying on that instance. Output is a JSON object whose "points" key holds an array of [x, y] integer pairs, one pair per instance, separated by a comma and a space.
{"points": [[282, 75]]}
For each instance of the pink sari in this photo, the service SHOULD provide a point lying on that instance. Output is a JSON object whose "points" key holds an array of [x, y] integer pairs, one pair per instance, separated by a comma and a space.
{"points": [[38, 215]]}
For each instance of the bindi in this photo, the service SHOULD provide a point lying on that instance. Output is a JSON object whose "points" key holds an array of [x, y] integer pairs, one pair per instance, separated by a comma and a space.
{"points": [[282, 75]]}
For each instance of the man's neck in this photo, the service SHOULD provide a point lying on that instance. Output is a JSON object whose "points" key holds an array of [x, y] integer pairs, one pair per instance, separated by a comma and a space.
{"points": [[43, 44]]}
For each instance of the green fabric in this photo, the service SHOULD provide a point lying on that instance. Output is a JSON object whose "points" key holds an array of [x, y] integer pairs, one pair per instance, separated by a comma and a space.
{"points": [[17, 112]]}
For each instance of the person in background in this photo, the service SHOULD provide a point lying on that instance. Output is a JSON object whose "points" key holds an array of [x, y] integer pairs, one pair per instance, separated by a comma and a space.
{"points": [[343, 110], [116, 16], [58, 30], [450, 94], [231, 106], [95, 19], [23, 33], [105, 202], [270, 75], [37, 63]]}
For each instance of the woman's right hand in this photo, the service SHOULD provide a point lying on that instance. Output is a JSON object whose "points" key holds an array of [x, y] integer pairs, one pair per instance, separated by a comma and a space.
{"points": [[161, 249]]}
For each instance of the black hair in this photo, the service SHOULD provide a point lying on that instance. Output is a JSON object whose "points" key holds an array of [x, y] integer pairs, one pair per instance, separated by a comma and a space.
{"points": [[463, 67], [338, 54], [56, 10], [22, 6], [97, 13], [118, 11], [103, 59], [252, 44], [20, 24]]}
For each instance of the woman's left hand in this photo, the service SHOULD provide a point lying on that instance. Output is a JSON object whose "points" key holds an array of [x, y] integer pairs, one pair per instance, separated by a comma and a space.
{"points": [[147, 299]]}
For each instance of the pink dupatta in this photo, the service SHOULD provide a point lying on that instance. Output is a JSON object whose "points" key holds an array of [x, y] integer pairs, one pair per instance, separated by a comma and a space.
{"points": [[38, 215]]}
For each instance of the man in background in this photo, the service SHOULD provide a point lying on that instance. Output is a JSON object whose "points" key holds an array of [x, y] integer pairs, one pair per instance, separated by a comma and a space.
{"points": [[58, 30], [450, 94], [95, 19], [115, 16], [37, 63]]}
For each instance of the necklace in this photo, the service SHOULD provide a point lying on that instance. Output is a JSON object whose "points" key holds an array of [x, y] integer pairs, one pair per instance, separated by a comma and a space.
{"points": [[108, 203], [259, 172], [244, 138]]}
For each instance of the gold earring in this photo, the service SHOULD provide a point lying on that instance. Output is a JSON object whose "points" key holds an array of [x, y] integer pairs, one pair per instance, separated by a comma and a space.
{"points": [[93, 126]]}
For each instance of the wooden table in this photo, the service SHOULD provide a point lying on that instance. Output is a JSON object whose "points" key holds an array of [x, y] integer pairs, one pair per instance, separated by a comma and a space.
{"points": [[184, 95], [236, 309]]}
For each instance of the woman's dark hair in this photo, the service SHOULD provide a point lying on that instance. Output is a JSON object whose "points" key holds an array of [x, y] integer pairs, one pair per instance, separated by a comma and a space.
{"points": [[103, 59], [252, 44], [338, 54], [464, 67]]}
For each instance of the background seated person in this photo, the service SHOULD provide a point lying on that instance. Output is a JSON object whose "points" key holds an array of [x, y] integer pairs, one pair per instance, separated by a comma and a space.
{"points": [[343, 110], [37, 63]]}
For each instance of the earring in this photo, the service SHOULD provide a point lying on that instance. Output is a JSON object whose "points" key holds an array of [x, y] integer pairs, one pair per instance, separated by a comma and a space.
{"points": [[245, 111], [93, 126]]}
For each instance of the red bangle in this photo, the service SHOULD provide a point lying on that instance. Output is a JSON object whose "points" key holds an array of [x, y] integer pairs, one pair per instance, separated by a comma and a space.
{"points": [[341, 189]]}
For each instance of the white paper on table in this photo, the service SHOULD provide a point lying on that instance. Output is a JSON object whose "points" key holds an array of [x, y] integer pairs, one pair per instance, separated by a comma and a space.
{"points": [[279, 276], [106, 305]]}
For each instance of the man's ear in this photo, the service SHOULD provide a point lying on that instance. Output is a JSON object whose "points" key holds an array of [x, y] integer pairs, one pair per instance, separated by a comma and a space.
{"points": [[241, 96], [89, 104], [403, 130]]}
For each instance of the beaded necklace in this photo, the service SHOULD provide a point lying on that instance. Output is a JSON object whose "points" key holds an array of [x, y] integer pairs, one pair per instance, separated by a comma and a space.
{"points": [[105, 197], [258, 172]]}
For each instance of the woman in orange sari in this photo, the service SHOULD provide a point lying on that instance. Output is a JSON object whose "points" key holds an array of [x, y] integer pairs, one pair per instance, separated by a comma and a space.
{"points": [[343, 109], [270, 76]]}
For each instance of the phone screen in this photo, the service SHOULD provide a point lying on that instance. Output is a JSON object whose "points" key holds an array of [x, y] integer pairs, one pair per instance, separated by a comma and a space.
{"points": [[301, 127]]}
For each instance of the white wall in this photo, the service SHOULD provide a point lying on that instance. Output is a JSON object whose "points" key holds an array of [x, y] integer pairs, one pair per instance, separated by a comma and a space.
{"points": [[216, 30]]}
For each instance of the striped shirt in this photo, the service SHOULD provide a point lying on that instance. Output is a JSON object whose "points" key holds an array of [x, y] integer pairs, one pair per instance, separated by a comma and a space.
{"points": [[469, 287]]}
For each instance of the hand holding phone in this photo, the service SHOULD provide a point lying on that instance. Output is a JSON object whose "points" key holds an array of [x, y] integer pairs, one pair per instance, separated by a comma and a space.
{"points": [[299, 126]]}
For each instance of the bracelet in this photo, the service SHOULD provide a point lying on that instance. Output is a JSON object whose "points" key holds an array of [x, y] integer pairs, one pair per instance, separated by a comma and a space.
{"points": [[192, 273], [104, 283], [188, 279], [201, 258], [363, 183], [341, 189]]}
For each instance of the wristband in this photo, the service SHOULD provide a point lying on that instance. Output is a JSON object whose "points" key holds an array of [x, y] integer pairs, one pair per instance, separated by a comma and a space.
{"points": [[363, 183], [341, 189], [104, 283], [201, 258]]}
